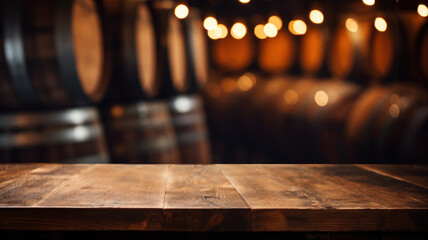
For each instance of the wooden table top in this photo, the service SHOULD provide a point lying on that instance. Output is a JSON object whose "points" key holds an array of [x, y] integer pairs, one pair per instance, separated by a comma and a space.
{"points": [[214, 197]]}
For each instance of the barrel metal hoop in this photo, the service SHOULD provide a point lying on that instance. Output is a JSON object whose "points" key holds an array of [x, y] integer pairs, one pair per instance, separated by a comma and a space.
{"points": [[15, 53], [72, 116], [188, 138], [77, 134], [152, 146]]}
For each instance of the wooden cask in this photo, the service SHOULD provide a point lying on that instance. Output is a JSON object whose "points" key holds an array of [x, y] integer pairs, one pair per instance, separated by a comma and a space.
{"points": [[232, 55], [67, 136], [422, 54], [279, 55], [188, 117], [54, 52], [314, 50], [172, 50], [349, 49], [136, 67], [141, 133], [382, 123], [197, 50], [393, 51]]}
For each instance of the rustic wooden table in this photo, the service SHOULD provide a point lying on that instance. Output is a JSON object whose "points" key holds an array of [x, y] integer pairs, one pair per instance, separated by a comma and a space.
{"points": [[214, 197]]}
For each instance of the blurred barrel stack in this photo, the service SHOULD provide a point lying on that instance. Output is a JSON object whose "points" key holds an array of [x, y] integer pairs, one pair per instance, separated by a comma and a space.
{"points": [[219, 81], [93, 81], [318, 81]]}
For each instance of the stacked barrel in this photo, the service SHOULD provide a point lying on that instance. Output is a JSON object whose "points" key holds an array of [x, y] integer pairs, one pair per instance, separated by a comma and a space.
{"points": [[92, 81], [349, 90]]}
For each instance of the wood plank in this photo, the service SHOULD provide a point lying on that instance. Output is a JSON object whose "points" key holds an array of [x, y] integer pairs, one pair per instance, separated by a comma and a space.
{"points": [[199, 197], [29, 185], [125, 186], [326, 198], [416, 174]]}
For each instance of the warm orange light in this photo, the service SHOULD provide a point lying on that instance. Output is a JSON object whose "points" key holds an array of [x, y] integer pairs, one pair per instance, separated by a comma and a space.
{"points": [[228, 84], [423, 10], [117, 111], [219, 32], [291, 97], [245, 82], [210, 23], [351, 25], [275, 20], [238, 30], [316, 16], [321, 98], [270, 30], [297, 27], [181, 11], [244, 1], [259, 31], [394, 111], [380, 24], [369, 2]]}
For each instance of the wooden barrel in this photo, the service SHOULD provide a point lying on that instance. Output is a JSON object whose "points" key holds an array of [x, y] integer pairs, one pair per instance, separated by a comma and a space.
{"points": [[278, 55], [377, 125], [314, 51], [67, 136], [393, 51], [349, 49], [189, 123], [136, 64], [141, 133], [8, 98], [233, 55], [172, 50], [54, 52], [196, 45], [422, 54]]}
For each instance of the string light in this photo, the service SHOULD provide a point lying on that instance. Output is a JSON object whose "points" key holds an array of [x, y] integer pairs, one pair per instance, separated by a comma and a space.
{"points": [[369, 2], [259, 32], [380, 24], [423, 10], [218, 33], [316, 16], [270, 30], [210, 23], [244, 1], [321, 98], [238, 30], [351, 25], [181, 11], [297, 27], [275, 20]]}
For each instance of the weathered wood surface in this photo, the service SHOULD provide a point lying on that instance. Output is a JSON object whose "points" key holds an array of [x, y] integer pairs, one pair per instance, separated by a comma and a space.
{"points": [[214, 197]]}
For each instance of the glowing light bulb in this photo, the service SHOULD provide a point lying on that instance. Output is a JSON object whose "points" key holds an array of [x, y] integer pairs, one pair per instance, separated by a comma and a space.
{"points": [[210, 23], [219, 32], [316, 16], [297, 27], [351, 25], [270, 30], [423, 10], [259, 31], [369, 2], [380, 24], [275, 20], [238, 30], [244, 1], [245, 82], [181, 11], [321, 98]]}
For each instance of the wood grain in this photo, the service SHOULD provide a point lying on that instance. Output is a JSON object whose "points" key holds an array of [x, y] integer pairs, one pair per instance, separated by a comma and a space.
{"points": [[213, 197], [416, 174]]}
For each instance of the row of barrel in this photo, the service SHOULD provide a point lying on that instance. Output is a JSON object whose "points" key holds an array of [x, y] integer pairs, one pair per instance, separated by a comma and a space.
{"points": [[74, 53], [307, 120], [146, 132], [346, 45]]}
